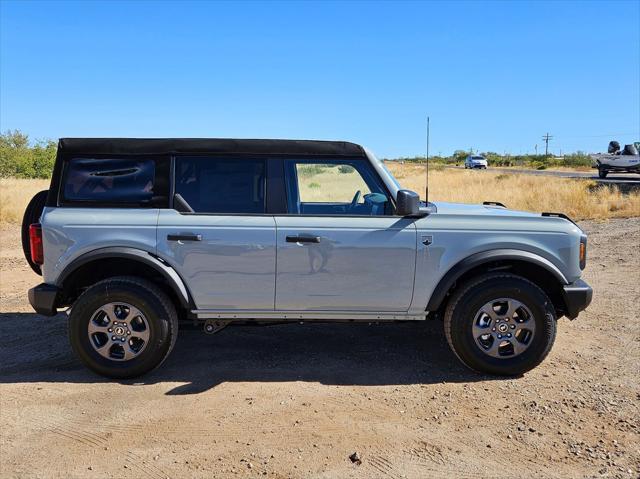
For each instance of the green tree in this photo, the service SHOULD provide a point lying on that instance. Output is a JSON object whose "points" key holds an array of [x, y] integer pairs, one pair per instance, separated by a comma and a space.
{"points": [[460, 155], [43, 158], [18, 158]]}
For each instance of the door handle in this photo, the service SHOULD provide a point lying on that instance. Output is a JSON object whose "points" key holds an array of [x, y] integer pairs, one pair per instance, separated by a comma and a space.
{"points": [[303, 239], [184, 237]]}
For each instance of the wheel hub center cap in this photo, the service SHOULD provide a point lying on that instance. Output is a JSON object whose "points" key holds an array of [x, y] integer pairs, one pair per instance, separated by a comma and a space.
{"points": [[120, 331], [503, 328]]}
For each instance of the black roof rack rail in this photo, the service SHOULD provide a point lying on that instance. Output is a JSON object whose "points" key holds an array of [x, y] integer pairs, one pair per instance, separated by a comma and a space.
{"points": [[559, 215], [493, 203]]}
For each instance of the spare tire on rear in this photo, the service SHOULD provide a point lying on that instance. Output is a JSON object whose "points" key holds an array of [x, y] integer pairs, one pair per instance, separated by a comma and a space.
{"points": [[32, 215]]}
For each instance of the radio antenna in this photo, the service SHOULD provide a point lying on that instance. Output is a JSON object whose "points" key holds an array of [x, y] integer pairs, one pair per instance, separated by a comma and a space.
{"points": [[427, 179]]}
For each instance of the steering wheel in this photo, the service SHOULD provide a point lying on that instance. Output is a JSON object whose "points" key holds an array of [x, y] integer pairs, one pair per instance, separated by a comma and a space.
{"points": [[354, 201]]}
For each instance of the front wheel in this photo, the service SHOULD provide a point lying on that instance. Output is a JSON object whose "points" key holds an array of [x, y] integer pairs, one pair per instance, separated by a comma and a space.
{"points": [[500, 324], [123, 327]]}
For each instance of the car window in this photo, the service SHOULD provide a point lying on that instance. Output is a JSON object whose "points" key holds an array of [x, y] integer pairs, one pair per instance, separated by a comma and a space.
{"points": [[117, 180], [347, 187], [221, 185]]}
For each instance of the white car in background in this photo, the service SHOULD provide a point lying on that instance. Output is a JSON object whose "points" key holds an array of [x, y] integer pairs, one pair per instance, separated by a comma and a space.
{"points": [[476, 161]]}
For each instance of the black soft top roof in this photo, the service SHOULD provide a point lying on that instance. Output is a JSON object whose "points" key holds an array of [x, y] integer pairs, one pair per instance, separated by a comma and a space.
{"points": [[160, 146]]}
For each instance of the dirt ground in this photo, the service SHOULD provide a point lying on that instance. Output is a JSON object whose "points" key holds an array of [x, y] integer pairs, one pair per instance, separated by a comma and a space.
{"points": [[296, 400]]}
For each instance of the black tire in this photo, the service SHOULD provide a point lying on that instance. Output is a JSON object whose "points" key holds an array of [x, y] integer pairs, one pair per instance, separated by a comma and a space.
{"points": [[157, 308], [602, 172], [32, 215], [470, 298]]}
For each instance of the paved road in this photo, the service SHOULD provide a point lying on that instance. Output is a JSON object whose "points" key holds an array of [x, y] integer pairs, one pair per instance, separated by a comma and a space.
{"points": [[624, 180]]}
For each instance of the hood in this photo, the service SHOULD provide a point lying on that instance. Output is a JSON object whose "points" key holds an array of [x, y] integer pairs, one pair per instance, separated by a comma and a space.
{"points": [[466, 209]]}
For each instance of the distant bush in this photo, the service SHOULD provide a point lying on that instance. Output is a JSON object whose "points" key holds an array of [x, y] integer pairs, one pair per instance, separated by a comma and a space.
{"points": [[577, 159], [346, 169], [538, 165], [572, 160], [422, 159], [307, 171], [314, 185], [19, 158]]}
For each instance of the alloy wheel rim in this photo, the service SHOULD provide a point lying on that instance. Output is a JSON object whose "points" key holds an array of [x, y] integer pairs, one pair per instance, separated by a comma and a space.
{"points": [[504, 328], [118, 331]]}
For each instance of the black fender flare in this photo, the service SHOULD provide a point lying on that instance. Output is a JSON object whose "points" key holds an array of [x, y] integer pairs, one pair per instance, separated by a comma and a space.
{"points": [[168, 273], [478, 259]]}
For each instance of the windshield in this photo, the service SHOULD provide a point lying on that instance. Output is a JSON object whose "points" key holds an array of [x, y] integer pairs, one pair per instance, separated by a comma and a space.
{"points": [[477, 157]]}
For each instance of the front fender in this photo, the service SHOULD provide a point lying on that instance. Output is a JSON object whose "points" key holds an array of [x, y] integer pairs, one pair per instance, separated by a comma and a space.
{"points": [[485, 257]]}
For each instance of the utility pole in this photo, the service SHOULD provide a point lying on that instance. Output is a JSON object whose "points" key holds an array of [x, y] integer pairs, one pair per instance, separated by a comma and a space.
{"points": [[546, 139]]}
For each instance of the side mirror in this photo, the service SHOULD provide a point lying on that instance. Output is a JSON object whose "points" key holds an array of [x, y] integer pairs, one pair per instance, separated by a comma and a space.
{"points": [[407, 203]]}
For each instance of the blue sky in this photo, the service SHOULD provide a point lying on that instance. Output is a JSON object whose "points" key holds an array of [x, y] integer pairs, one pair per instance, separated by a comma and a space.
{"points": [[492, 76]]}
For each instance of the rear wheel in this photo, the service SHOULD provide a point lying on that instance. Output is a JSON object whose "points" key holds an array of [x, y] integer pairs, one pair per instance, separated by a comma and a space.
{"points": [[32, 215], [500, 324], [603, 172], [123, 327]]}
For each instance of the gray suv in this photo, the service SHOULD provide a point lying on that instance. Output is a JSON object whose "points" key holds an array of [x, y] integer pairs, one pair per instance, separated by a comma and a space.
{"points": [[136, 235]]}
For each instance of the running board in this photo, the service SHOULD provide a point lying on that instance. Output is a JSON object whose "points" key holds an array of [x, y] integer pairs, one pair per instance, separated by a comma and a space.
{"points": [[306, 315]]}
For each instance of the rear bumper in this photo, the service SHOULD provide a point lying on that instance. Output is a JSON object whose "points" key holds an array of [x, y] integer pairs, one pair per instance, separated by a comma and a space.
{"points": [[43, 299], [577, 296]]}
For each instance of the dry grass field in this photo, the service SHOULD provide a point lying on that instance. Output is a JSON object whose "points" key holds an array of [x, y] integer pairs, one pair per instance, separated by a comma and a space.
{"points": [[15, 195], [580, 199]]}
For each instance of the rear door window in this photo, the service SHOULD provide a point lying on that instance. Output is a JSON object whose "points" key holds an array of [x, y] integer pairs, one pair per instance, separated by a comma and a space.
{"points": [[221, 185], [109, 181]]}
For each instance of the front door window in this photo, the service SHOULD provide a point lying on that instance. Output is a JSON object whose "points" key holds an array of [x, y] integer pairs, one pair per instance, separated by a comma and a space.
{"points": [[335, 187]]}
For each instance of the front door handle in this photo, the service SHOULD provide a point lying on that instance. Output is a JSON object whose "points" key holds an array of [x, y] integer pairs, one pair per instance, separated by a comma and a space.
{"points": [[303, 239], [184, 237]]}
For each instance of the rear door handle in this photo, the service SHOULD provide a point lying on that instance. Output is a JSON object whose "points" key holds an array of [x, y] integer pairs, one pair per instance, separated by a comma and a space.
{"points": [[184, 237], [303, 239]]}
